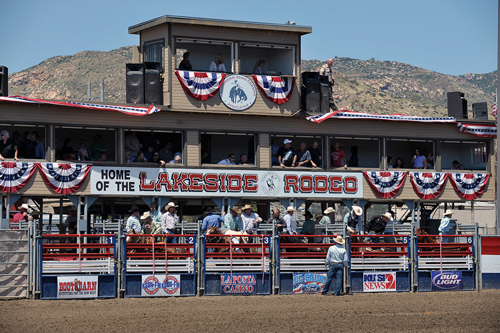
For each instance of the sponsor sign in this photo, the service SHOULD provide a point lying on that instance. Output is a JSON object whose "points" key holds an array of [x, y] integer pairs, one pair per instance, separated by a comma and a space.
{"points": [[160, 285], [381, 281], [80, 286], [238, 92], [224, 183], [451, 280], [243, 284], [308, 283]]}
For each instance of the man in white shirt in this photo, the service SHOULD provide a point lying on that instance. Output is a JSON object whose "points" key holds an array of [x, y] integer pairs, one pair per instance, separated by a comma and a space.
{"points": [[336, 259], [289, 222], [168, 222], [249, 219], [229, 160], [133, 222]]}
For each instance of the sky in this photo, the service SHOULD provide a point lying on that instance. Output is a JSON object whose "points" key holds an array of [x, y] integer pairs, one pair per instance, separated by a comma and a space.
{"points": [[447, 36]]}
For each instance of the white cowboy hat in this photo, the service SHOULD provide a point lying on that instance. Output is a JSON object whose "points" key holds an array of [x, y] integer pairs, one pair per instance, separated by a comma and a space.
{"points": [[448, 212], [170, 204], [247, 207], [388, 215], [329, 210], [339, 240], [23, 206], [357, 210], [145, 215], [290, 209]]}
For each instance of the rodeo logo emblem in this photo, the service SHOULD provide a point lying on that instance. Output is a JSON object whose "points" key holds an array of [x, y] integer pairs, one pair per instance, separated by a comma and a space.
{"points": [[271, 183], [238, 92]]}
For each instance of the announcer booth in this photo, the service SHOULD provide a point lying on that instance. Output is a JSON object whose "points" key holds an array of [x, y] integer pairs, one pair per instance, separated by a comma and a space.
{"points": [[490, 262], [156, 269], [381, 266], [445, 264], [77, 266]]}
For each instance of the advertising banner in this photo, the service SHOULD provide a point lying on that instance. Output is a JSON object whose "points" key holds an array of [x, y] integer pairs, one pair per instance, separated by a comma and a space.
{"points": [[379, 282], [160, 285], [139, 181], [450, 280], [81, 286], [242, 284], [308, 283]]}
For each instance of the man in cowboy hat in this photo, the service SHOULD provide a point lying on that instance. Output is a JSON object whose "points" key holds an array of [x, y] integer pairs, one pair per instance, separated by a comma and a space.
{"points": [[155, 214], [150, 226], [288, 220], [353, 219], [133, 222], [336, 259], [249, 219], [327, 218], [232, 221], [376, 226], [168, 222], [277, 220], [444, 226], [308, 225], [211, 220], [22, 215]]}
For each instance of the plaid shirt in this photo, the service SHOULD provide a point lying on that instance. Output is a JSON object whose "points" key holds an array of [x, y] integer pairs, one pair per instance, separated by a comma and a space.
{"points": [[232, 223]]}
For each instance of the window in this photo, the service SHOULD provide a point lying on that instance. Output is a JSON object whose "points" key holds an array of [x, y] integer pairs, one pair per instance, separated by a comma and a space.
{"points": [[278, 141], [31, 140], [472, 155], [89, 144], [216, 147], [280, 59], [153, 51], [478, 155], [405, 150], [154, 145], [202, 52], [360, 152]]}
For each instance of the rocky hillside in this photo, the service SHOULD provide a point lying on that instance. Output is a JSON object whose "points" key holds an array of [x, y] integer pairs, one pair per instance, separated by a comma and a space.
{"points": [[369, 86]]}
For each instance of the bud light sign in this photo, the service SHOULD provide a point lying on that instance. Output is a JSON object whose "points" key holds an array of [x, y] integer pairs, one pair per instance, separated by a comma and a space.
{"points": [[376, 282], [451, 280]]}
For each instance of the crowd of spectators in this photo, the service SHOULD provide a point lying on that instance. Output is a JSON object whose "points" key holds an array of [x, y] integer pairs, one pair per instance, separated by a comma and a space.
{"points": [[29, 146]]}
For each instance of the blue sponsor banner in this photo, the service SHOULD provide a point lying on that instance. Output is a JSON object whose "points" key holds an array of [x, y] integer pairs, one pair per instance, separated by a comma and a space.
{"points": [[239, 284], [449, 280], [308, 283]]}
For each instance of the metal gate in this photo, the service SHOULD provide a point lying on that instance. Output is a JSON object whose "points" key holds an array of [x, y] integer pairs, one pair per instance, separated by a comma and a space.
{"points": [[14, 263]]}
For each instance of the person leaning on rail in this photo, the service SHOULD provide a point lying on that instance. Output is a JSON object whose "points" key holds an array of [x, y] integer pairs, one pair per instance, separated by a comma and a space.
{"points": [[353, 220], [249, 219], [376, 226], [169, 221], [327, 218], [444, 226]]}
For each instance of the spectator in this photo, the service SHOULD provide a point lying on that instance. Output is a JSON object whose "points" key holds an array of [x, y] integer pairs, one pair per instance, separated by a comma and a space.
{"points": [[151, 144], [72, 155], [419, 161], [72, 221], [232, 221], [83, 154], [444, 227], [140, 157], [211, 220], [133, 222], [274, 154], [102, 157], [127, 157], [353, 161], [376, 226], [29, 146], [337, 156], [177, 159], [155, 214], [169, 221], [185, 63], [20, 216], [327, 70], [243, 160], [308, 225], [8, 149], [353, 220], [456, 165], [96, 147], [286, 154], [82, 143], [336, 260], [400, 164], [16, 137], [249, 219], [218, 64], [389, 162], [290, 227], [229, 160], [316, 158], [165, 154], [461, 167], [150, 227], [133, 144], [277, 220], [40, 149], [327, 218], [303, 156], [66, 149], [259, 65], [156, 157]]}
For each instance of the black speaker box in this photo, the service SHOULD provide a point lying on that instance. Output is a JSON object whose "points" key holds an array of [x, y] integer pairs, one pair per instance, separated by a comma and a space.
{"points": [[315, 92], [325, 93], [135, 83], [480, 110], [457, 105], [4, 81], [152, 83]]}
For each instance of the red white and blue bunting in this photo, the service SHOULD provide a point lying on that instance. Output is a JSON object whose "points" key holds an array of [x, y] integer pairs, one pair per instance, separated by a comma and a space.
{"points": [[469, 186], [345, 114], [428, 185], [64, 178], [14, 175], [277, 89], [200, 85], [130, 110], [484, 131], [385, 184]]}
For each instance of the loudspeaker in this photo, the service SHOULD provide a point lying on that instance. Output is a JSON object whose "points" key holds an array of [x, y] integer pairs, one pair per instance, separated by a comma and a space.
{"points": [[152, 83], [325, 93], [311, 92], [135, 83], [457, 105], [480, 110], [4, 81]]}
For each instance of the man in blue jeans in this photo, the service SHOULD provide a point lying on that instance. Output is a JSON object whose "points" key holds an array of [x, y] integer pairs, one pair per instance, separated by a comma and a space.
{"points": [[336, 259]]}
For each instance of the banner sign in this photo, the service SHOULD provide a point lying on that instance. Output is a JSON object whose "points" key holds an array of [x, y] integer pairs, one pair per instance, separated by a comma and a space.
{"points": [[200, 85], [469, 186], [346, 114], [238, 284], [161, 285], [385, 184], [428, 185], [308, 283], [277, 89], [380, 281], [224, 183], [451, 280], [238, 92], [14, 175], [81, 286]]}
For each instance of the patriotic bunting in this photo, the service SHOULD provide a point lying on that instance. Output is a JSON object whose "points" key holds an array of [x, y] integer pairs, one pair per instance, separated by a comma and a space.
{"points": [[469, 186], [385, 184], [428, 185], [130, 110], [484, 131], [277, 89], [345, 114], [64, 178], [200, 85], [14, 175]]}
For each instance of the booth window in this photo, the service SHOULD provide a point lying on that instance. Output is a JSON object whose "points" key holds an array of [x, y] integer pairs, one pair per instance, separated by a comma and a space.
{"points": [[360, 152], [29, 136], [405, 150], [154, 50], [277, 141], [280, 59], [217, 146], [158, 144], [100, 143], [473, 155], [203, 51]]}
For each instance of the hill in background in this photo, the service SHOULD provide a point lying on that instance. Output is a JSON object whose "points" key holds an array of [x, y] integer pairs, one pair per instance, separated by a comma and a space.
{"points": [[362, 85]]}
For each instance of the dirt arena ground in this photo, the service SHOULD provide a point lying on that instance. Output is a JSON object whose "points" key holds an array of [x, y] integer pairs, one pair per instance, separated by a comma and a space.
{"points": [[384, 312]]}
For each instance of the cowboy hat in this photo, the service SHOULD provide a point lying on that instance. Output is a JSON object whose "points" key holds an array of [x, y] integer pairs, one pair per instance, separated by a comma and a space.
{"points": [[236, 210], [339, 240], [247, 207], [357, 210], [134, 209], [290, 209], [145, 215], [153, 204], [23, 206], [329, 210], [388, 216], [208, 210], [448, 212], [318, 215], [170, 204]]}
